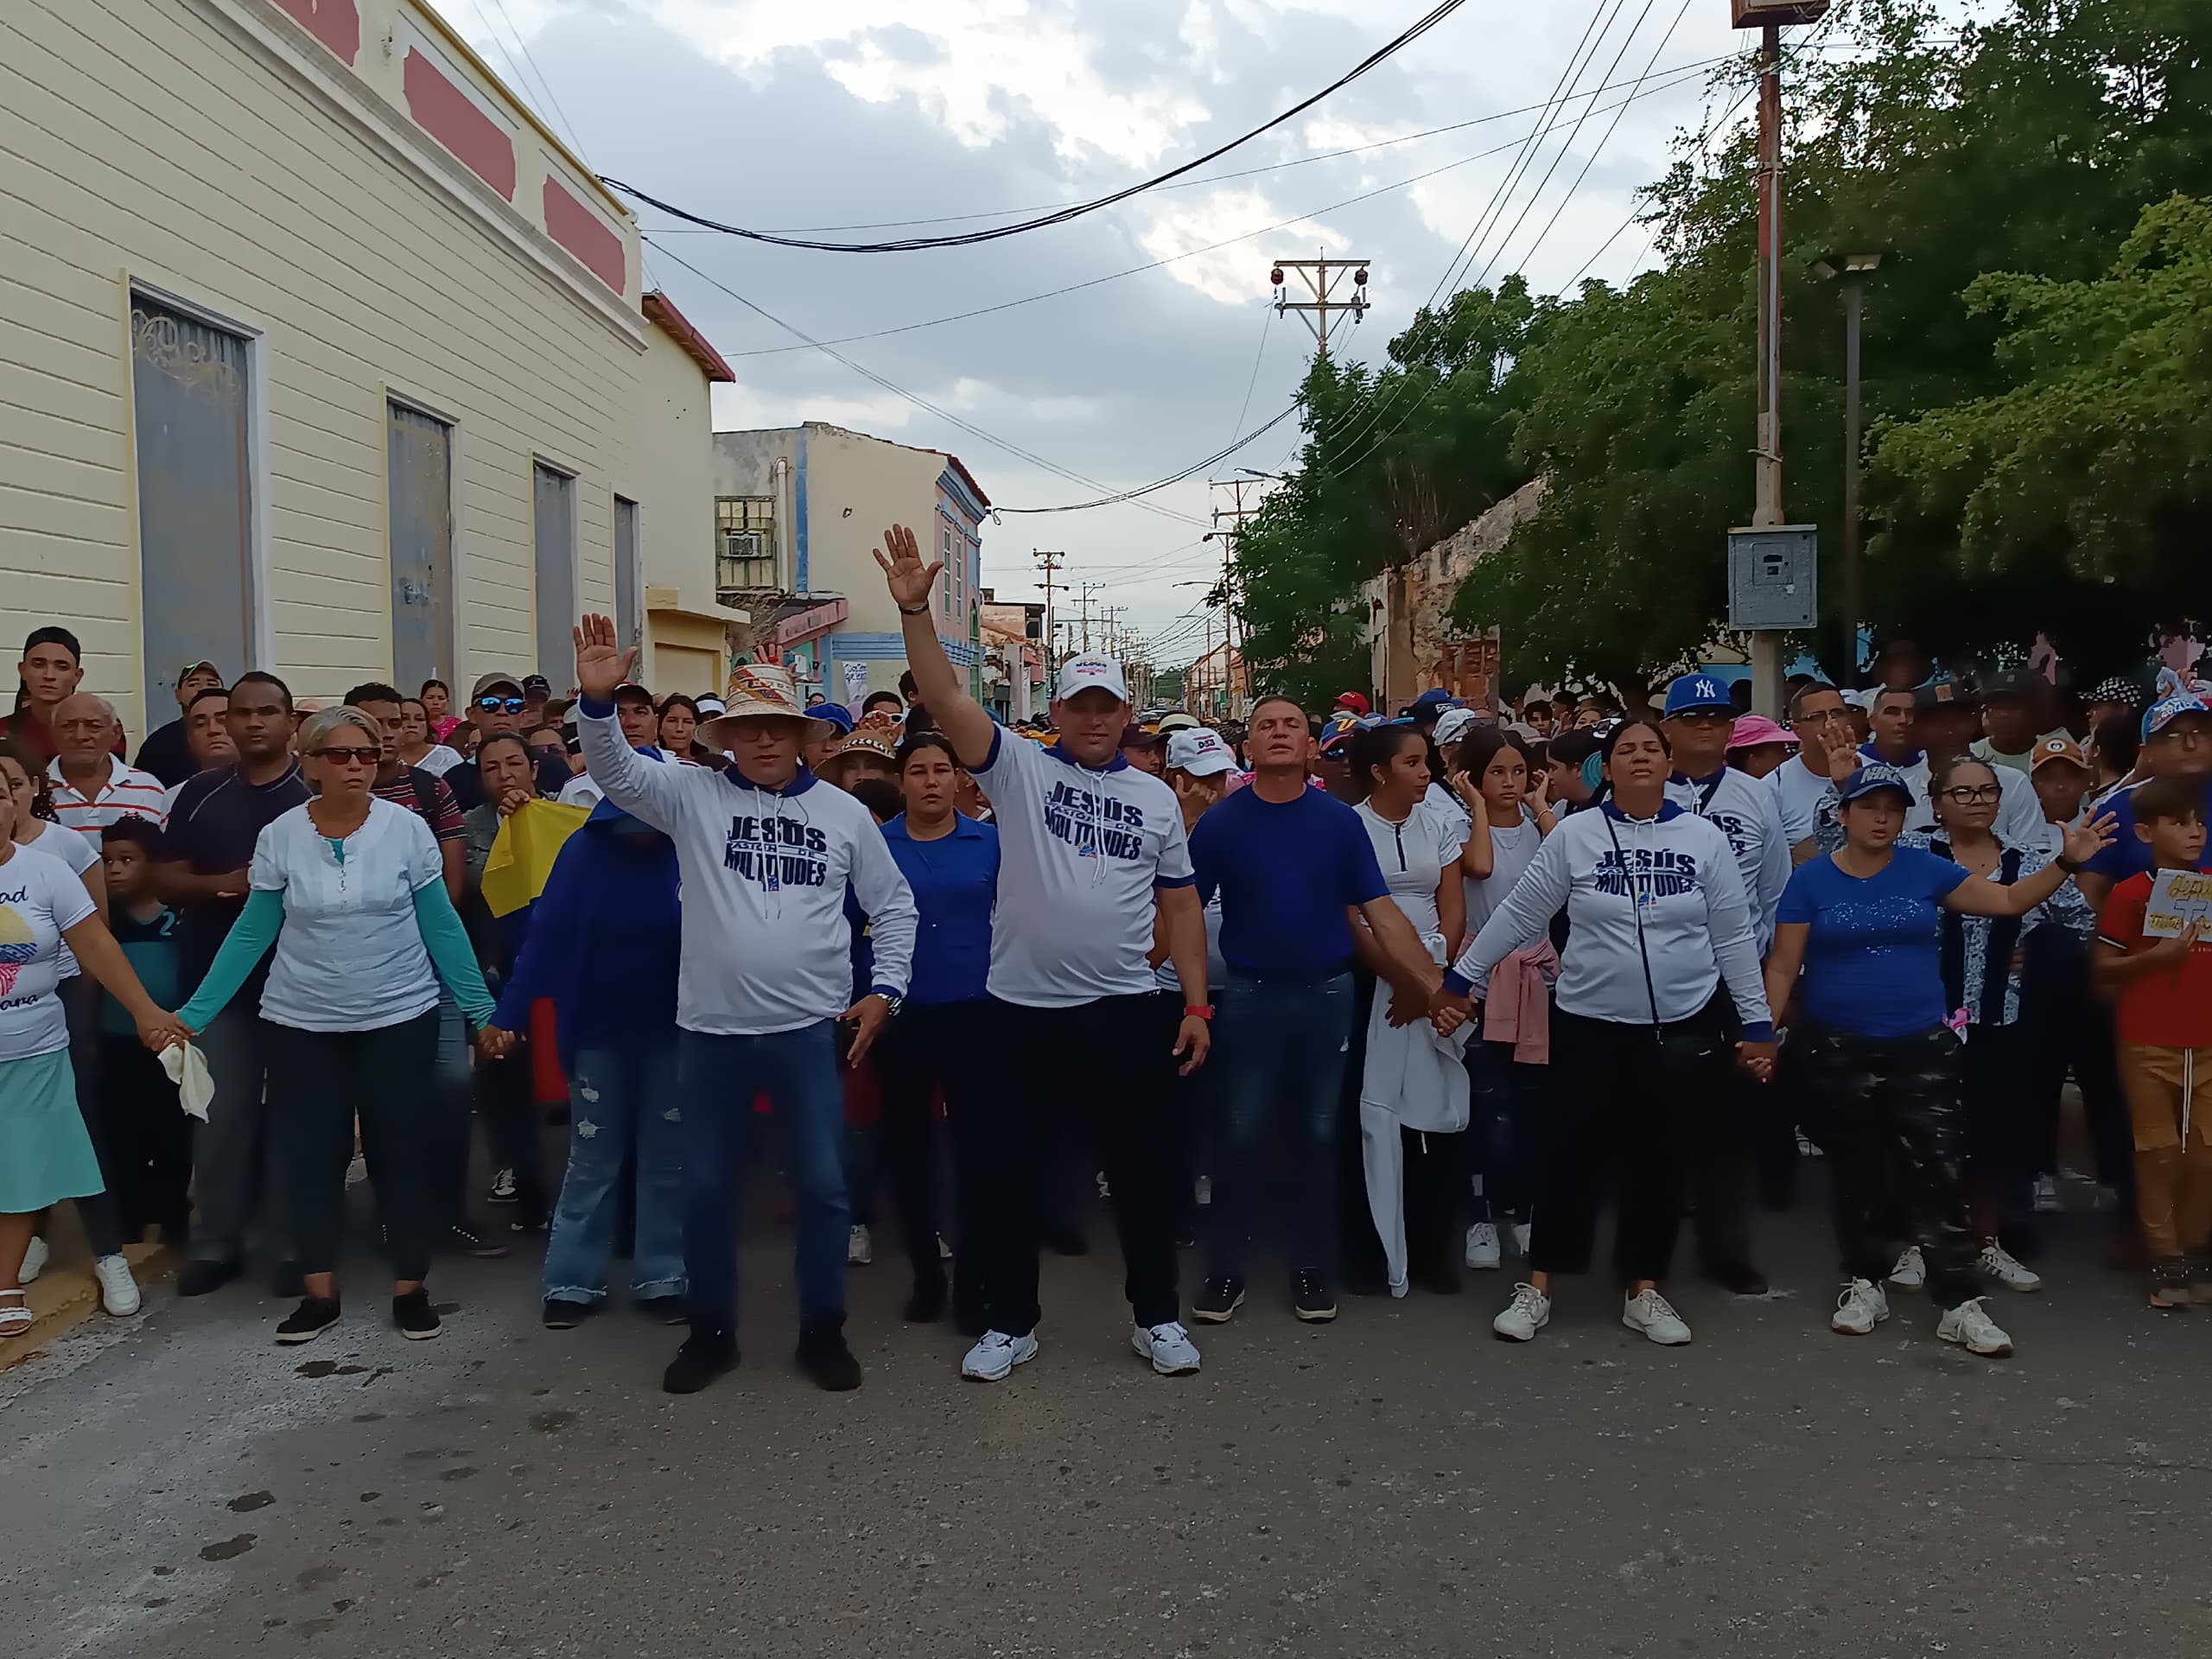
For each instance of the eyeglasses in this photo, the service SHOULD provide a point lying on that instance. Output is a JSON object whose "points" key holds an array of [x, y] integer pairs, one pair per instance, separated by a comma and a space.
{"points": [[1973, 794], [352, 757], [1822, 717], [496, 705], [2189, 734]]}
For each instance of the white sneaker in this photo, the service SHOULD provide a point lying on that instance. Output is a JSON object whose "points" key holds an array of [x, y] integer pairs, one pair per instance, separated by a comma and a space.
{"points": [[2047, 1202], [1482, 1250], [118, 1290], [1972, 1328], [1529, 1311], [1519, 1231], [1167, 1346], [943, 1249], [34, 1256], [994, 1357], [1202, 1190], [1859, 1309], [1649, 1312], [1997, 1263], [860, 1249], [1806, 1148], [1910, 1272]]}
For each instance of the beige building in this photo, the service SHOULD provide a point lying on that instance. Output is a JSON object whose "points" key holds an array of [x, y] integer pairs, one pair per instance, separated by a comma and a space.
{"points": [[1413, 643], [320, 354], [800, 512]]}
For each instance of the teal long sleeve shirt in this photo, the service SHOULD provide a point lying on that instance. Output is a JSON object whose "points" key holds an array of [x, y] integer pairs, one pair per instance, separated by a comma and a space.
{"points": [[256, 929]]}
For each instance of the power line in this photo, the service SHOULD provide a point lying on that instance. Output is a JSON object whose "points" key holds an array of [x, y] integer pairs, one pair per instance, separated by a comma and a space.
{"points": [[1680, 78], [1266, 322], [1194, 468], [1692, 67], [1443, 10], [544, 85]]}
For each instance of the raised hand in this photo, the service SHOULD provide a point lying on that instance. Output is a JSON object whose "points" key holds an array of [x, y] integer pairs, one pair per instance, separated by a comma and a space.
{"points": [[2084, 841], [904, 572], [602, 665]]}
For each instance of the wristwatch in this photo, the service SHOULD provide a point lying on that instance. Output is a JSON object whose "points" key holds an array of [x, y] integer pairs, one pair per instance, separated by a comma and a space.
{"points": [[893, 1003], [922, 609]]}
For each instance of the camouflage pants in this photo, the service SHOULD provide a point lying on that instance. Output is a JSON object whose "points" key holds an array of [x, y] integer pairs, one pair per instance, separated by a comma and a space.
{"points": [[1890, 1115]]}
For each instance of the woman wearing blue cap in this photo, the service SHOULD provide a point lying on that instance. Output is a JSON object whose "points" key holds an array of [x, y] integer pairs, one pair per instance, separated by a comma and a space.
{"points": [[1880, 1050]]}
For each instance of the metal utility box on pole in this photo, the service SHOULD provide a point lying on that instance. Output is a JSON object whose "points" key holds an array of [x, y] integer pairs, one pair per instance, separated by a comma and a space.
{"points": [[1769, 16]]}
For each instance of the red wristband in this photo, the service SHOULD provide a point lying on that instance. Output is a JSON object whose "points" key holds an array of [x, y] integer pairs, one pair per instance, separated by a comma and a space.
{"points": [[1203, 1011]]}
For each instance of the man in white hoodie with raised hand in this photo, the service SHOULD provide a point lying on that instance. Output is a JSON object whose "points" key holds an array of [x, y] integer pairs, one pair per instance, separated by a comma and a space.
{"points": [[765, 856]]}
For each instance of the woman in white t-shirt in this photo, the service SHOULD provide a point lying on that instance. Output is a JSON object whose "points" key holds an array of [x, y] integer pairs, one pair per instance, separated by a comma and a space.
{"points": [[1505, 800], [418, 748], [351, 891], [1413, 1095], [46, 1155]]}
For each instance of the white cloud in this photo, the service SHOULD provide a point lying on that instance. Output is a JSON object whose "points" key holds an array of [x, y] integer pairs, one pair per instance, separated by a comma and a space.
{"points": [[1235, 275]]}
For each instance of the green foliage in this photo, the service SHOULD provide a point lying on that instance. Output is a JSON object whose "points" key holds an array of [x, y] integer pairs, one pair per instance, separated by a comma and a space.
{"points": [[2042, 444]]}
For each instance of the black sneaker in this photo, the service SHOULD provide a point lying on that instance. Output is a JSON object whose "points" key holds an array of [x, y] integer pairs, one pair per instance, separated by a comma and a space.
{"points": [[560, 1315], [926, 1305], [701, 1359], [466, 1238], [313, 1316], [504, 1190], [669, 1310], [1217, 1299], [1311, 1298], [199, 1278], [417, 1319], [823, 1356], [286, 1281], [1738, 1278]]}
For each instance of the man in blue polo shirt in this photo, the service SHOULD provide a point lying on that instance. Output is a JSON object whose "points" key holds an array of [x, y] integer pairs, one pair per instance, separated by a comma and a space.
{"points": [[1290, 864], [2176, 743]]}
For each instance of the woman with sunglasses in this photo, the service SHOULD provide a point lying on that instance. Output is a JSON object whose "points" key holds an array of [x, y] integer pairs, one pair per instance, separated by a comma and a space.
{"points": [[1659, 930], [1879, 1046], [350, 889], [1981, 961]]}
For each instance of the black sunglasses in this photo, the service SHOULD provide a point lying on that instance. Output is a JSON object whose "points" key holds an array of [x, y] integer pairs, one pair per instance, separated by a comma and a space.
{"points": [[495, 705], [340, 756]]}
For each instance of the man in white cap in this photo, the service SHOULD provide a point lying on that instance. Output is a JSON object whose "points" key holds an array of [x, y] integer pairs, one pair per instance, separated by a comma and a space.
{"points": [[1088, 845], [765, 857]]}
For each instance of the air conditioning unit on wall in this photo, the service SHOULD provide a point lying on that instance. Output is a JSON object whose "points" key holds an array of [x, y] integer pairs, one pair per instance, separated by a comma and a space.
{"points": [[1757, 14], [743, 544]]}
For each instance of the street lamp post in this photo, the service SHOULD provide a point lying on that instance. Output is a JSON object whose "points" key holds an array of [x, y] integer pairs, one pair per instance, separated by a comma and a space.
{"points": [[1852, 270]]}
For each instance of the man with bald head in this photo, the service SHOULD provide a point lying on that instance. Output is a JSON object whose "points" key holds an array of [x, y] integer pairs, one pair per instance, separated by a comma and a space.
{"points": [[92, 788]]}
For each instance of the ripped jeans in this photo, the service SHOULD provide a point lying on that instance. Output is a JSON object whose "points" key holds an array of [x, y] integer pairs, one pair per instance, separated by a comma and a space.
{"points": [[619, 1097]]}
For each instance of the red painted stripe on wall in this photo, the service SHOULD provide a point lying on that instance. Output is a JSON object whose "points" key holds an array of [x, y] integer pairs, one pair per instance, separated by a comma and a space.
{"points": [[336, 23], [583, 233], [449, 115]]}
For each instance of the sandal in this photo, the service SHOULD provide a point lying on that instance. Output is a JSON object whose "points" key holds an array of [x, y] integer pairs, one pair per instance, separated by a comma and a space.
{"points": [[16, 1316]]}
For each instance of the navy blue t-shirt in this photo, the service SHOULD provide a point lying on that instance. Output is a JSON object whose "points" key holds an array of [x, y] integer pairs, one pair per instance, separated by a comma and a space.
{"points": [[1873, 962], [2129, 854], [1285, 873], [955, 882]]}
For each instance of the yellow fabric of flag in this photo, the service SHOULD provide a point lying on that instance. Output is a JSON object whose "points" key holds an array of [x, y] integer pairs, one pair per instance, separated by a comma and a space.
{"points": [[522, 855]]}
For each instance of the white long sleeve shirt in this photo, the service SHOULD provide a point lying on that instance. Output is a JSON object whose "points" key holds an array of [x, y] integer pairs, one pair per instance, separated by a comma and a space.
{"points": [[1675, 873], [1748, 811], [765, 943]]}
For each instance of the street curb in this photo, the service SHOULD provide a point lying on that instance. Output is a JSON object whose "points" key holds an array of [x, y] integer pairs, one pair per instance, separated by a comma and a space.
{"points": [[61, 1299]]}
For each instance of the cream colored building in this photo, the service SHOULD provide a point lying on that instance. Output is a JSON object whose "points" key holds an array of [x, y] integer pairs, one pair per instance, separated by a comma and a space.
{"points": [[320, 354]]}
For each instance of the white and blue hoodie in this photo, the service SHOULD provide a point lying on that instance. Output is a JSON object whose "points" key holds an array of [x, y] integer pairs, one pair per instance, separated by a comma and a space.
{"points": [[1605, 869], [767, 946], [1748, 811]]}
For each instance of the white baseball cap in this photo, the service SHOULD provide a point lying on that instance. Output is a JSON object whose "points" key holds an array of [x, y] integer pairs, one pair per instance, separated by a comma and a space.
{"points": [[1079, 673], [1201, 752]]}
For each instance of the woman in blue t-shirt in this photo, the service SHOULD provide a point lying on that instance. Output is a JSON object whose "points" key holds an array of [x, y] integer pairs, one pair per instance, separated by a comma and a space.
{"points": [[1880, 1049]]}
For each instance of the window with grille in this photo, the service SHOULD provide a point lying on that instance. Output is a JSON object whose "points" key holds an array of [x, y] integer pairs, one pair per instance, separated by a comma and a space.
{"points": [[745, 541]]}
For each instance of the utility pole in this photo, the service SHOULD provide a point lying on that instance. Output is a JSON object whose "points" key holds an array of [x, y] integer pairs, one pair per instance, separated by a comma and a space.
{"points": [[1235, 512], [1115, 635], [1322, 278], [1051, 562], [1088, 589], [1769, 16]]}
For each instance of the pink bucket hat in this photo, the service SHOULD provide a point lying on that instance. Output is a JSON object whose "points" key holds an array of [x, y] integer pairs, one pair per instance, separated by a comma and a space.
{"points": [[1752, 730]]}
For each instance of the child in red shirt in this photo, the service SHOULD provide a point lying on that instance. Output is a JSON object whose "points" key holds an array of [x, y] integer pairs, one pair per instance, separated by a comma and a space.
{"points": [[2164, 987]]}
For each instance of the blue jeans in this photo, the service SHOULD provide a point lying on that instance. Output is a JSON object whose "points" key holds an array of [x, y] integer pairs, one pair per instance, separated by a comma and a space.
{"points": [[1503, 1111], [717, 1078], [1282, 1051], [616, 1095]]}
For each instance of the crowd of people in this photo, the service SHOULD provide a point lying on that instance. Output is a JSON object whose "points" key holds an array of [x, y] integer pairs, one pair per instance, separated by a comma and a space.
{"points": [[1386, 998]]}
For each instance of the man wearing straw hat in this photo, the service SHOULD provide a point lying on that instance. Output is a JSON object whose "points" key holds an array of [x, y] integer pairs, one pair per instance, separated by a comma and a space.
{"points": [[765, 856]]}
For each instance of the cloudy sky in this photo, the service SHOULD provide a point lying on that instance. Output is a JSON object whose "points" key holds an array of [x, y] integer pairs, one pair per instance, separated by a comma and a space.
{"points": [[778, 114]]}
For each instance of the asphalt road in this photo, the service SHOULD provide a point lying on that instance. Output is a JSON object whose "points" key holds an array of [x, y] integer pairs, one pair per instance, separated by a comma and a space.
{"points": [[1399, 1483]]}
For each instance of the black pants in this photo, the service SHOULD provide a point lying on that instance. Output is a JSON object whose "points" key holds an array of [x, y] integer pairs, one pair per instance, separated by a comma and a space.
{"points": [[320, 1084], [1624, 1111], [1435, 1181], [1359, 1248], [506, 1099], [1720, 1163], [931, 1049], [2001, 1131], [1109, 1061], [146, 1154], [2069, 1028], [1892, 1119]]}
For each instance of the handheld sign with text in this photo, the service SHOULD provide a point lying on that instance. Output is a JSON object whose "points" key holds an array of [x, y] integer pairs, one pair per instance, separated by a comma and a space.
{"points": [[2179, 898]]}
